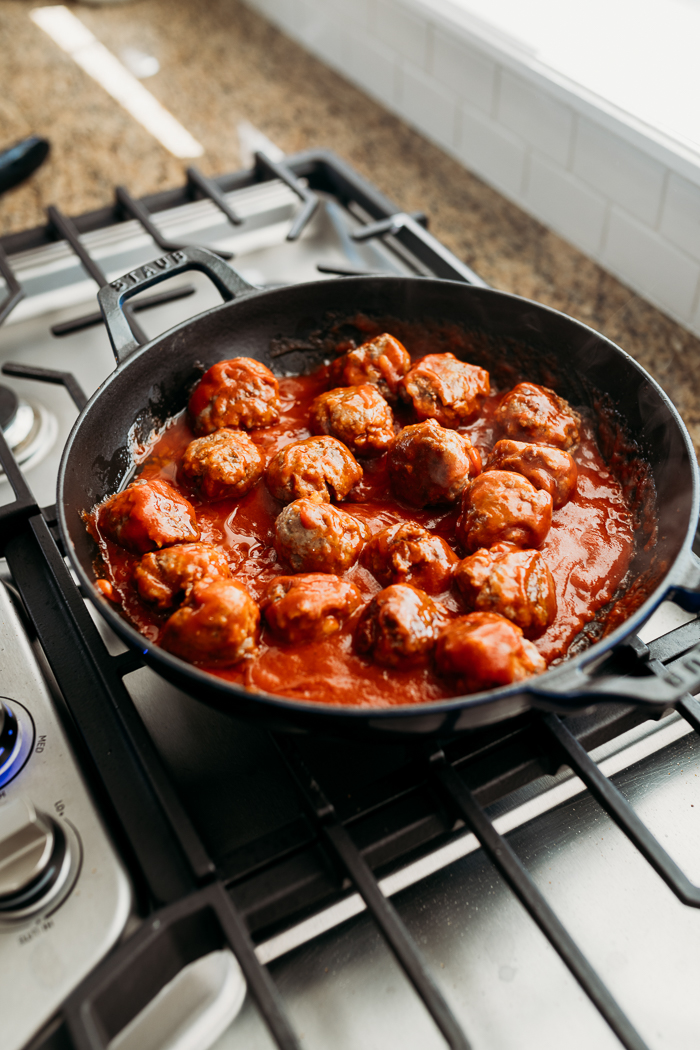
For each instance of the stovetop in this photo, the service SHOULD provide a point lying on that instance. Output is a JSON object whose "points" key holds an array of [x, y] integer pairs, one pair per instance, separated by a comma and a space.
{"points": [[288, 850]]}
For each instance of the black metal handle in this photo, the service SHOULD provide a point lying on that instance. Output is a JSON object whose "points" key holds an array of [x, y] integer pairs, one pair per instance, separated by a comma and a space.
{"points": [[112, 297], [564, 688], [20, 160]]}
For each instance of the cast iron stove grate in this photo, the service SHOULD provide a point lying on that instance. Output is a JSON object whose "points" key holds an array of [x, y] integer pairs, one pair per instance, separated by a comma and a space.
{"points": [[363, 810]]}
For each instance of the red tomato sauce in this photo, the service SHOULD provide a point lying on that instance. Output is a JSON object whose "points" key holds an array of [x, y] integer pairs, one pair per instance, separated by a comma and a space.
{"points": [[588, 550]]}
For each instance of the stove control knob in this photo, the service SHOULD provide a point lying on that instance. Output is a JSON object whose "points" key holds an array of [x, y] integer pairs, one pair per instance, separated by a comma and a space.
{"points": [[34, 858], [10, 736]]}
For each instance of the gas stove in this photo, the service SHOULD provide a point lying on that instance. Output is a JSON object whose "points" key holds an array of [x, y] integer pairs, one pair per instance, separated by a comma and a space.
{"points": [[170, 876]]}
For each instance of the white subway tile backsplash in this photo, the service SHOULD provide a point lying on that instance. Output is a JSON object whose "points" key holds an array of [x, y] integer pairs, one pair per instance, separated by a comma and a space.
{"points": [[619, 170], [305, 13], [425, 104], [680, 219], [466, 72], [402, 31], [543, 121], [565, 203], [265, 7], [611, 199], [354, 11], [372, 67], [491, 151], [328, 39], [283, 12], [650, 264]]}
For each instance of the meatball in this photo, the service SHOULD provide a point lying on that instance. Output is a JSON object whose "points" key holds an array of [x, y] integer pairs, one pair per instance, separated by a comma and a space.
{"points": [[356, 415], [501, 507], [429, 464], [484, 651], [146, 516], [399, 627], [320, 465], [535, 413], [237, 393], [312, 536], [381, 362], [550, 469], [165, 577], [408, 553], [223, 464], [308, 607], [218, 627], [514, 583], [443, 388]]}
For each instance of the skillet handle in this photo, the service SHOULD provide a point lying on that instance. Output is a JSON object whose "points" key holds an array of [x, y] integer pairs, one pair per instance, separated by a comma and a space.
{"points": [[563, 688], [112, 297]]}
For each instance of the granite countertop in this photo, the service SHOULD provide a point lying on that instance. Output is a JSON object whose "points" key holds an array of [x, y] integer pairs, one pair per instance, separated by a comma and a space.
{"points": [[220, 64]]}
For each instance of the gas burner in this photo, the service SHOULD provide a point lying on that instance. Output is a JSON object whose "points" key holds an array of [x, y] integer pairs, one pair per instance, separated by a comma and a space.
{"points": [[28, 428]]}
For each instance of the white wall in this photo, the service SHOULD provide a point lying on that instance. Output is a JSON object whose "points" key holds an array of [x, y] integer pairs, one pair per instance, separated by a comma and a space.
{"points": [[613, 188]]}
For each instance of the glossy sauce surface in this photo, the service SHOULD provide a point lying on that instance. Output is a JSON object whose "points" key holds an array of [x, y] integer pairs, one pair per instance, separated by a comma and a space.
{"points": [[588, 550]]}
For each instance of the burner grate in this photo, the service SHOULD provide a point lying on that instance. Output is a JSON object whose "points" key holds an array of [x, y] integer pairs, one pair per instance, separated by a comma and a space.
{"points": [[136, 210], [266, 168], [67, 231], [338, 841], [15, 293], [208, 188]]}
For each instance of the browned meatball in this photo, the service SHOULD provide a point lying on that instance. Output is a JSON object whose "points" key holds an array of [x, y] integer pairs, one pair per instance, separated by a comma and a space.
{"points": [[168, 576], [550, 469], [308, 607], [484, 651], [443, 388], [408, 553], [514, 583], [147, 515], [535, 413], [312, 536], [501, 507], [399, 627], [356, 415], [320, 465], [381, 362], [218, 627], [225, 464], [237, 393], [429, 465]]}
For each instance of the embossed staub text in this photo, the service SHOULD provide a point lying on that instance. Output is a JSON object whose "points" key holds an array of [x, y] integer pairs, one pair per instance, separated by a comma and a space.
{"points": [[142, 273]]}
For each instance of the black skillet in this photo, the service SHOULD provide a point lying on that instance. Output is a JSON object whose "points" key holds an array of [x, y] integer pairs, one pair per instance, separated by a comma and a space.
{"points": [[152, 383]]}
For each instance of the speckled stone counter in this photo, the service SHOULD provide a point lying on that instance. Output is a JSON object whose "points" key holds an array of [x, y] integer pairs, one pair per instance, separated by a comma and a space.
{"points": [[220, 64]]}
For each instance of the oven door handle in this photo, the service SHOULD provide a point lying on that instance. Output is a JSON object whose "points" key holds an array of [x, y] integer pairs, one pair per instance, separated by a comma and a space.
{"points": [[564, 689], [113, 295]]}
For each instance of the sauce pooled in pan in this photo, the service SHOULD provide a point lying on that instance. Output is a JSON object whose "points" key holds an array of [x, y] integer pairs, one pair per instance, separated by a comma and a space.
{"points": [[587, 549]]}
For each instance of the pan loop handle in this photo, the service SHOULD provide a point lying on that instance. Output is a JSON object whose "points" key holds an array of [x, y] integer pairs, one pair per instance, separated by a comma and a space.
{"points": [[564, 689], [113, 296]]}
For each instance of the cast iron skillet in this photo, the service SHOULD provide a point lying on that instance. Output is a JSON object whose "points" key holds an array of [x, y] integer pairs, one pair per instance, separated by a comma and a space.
{"points": [[153, 382]]}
